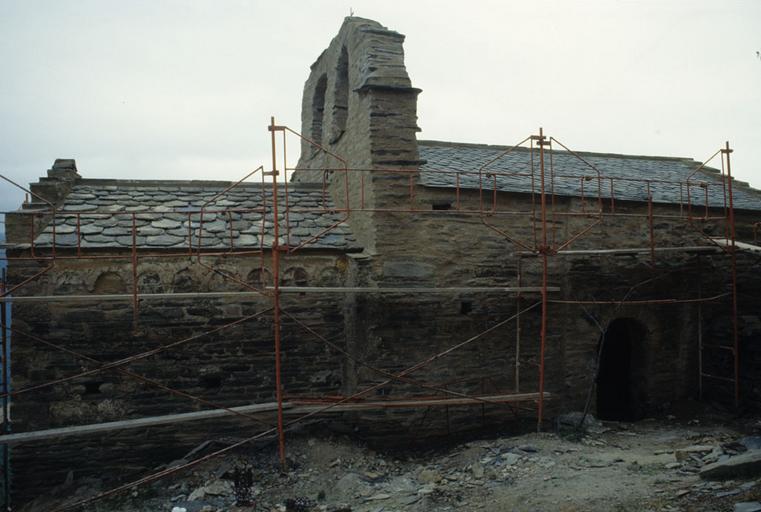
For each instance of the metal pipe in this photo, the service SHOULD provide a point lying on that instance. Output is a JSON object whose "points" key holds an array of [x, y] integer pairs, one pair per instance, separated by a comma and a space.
{"points": [[733, 257], [287, 201], [552, 195], [700, 328], [533, 192], [276, 301], [650, 224], [634, 250], [283, 290], [135, 301], [518, 331], [6, 399], [648, 302], [545, 253], [291, 407]]}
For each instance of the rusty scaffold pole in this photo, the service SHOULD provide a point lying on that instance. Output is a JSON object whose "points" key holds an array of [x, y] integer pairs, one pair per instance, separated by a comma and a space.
{"points": [[726, 151], [544, 251], [276, 294]]}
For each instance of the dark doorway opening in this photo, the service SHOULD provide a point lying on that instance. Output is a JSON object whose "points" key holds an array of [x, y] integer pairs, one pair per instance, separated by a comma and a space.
{"points": [[620, 377]]}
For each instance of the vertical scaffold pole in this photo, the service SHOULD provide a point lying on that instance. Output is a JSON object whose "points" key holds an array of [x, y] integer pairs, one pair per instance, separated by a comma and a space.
{"points": [[700, 328], [276, 298], [733, 258], [518, 331], [135, 300], [544, 251], [6, 367]]}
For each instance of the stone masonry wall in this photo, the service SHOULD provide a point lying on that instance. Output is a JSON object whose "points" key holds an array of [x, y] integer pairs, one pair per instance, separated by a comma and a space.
{"points": [[430, 248], [451, 248], [230, 367]]}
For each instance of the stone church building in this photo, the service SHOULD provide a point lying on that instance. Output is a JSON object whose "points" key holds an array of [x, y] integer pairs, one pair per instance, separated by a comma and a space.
{"points": [[421, 271]]}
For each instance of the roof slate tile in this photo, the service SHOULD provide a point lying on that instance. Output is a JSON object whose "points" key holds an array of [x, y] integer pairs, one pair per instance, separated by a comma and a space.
{"points": [[624, 177], [161, 214]]}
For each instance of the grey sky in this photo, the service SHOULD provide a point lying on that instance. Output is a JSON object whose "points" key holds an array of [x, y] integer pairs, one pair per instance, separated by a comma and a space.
{"points": [[184, 89]]}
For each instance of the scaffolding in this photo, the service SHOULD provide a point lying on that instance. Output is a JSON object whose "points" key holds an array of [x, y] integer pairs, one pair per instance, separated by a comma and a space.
{"points": [[597, 203]]}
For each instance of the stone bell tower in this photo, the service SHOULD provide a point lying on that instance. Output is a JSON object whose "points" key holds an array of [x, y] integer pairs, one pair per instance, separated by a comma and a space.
{"points": [[359, 109]]}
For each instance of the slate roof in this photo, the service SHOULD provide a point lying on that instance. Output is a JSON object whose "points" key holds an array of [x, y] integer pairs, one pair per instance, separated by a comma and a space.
{"points": [[165, 210], [466, 159]]}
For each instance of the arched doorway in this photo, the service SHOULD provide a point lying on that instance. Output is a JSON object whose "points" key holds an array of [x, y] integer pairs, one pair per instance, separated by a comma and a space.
{"points": [[620, 376]]}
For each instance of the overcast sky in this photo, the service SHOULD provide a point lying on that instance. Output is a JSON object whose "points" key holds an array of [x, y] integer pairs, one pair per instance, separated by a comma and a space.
{"points": [[184, 89]]}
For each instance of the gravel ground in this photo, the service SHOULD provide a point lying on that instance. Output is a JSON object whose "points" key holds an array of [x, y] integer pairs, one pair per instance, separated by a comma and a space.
{"points": [[651, 465]]}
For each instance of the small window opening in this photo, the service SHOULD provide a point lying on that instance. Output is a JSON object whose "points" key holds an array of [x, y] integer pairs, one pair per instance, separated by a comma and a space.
{"points": [[259, 278], [466, 306], [441, 206], [294, 276], [183, 282], [318, 109], [109, 283], [150, 283], [340, 97]]}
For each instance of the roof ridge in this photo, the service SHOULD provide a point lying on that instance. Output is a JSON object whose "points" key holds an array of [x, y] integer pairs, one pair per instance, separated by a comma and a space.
{"points": [[188, 183], [582, 153]]}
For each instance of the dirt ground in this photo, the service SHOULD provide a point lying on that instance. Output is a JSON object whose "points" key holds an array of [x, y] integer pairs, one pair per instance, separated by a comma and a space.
{"points": [[650, 465]]}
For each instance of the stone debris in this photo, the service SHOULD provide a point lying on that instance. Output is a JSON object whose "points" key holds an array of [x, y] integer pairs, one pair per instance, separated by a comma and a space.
{"points": [[652, 471], [744, 465], [748, 506], [577, 420], [751, 442], [216, 488]]}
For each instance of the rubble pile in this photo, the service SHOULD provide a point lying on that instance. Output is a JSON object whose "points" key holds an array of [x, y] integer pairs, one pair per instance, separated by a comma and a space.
{"points": [[658, 466]]}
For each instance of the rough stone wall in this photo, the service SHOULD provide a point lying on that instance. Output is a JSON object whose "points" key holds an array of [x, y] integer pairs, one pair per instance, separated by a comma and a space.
{"points": [[717, 329], [230, 367], [431, 248], [451, 248]]}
